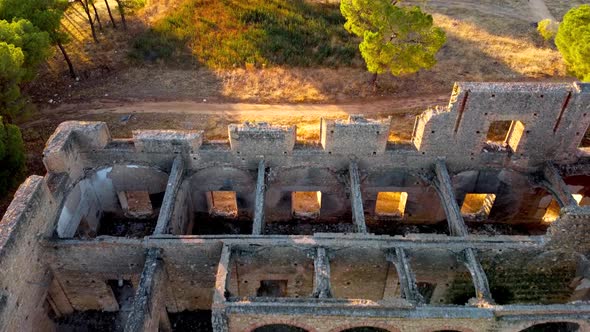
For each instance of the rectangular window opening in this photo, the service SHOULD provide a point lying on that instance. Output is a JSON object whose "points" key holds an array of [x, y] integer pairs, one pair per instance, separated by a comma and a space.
{"points": [[504, 136], [551, 210], [272, 288], [477, 206], [223, 204], [306, 204], [391, 204], [581, 199], [136, 204]]}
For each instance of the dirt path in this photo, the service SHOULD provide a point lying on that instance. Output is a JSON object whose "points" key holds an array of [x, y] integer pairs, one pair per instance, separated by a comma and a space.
{"points": [[540, 11], [382, 107], [487, 9]]}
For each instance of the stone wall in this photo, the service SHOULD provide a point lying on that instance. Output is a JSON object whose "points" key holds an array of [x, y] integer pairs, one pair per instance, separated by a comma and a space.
{"points": [[46, 268]]}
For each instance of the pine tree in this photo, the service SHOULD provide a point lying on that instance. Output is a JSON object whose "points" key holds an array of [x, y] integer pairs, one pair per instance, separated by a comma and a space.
{"points": [[573, 41], [398, 39]]}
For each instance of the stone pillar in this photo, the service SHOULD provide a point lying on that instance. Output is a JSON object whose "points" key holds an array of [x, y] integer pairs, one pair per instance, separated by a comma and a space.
{"points": [[555, 184], [478, 275], [258, 223], [321, 282], [218, 314], [174, 181], [407, 279], [358, 213], [444, 188], [149, 306]]}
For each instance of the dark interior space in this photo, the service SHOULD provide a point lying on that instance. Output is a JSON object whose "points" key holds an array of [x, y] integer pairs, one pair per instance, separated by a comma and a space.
{"points": [[398, 227], [206, 224], [191, 321], [113, 224], [89, 321]]}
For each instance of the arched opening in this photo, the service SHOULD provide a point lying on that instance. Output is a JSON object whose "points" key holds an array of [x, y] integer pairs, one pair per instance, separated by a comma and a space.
{"points": [[503, 203], [120, 200], [215, 200], [394, 204], [304, 201], [365, 329], [279, 328], [553, 327]]}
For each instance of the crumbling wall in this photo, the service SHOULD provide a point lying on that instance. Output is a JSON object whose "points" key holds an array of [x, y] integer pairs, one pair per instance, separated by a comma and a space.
{"points": [[251, 267], [261, 139], [362, 273], [183, 216], [547, 122], [24, 275], [531, 276], [84, 280], [62, 151], [355, 136], [191, 274], [442, 279], [543, 110], [570, 231]]}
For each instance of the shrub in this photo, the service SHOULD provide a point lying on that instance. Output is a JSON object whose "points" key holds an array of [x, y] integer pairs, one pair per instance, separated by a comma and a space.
{"points": [[547, 29]]}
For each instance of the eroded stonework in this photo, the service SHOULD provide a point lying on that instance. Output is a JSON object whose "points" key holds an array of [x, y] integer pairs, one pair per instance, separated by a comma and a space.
{"points": [[480, 223]]}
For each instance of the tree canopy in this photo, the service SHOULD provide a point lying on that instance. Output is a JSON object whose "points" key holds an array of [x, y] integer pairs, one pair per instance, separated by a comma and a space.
{"points": [[35, 44], [398, 39], [12, 59], [573, 41], [22, 48], [12, 157], [44, 14]]}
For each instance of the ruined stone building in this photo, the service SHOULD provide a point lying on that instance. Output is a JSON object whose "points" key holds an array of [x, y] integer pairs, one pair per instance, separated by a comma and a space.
{"points": [[480, 223]]}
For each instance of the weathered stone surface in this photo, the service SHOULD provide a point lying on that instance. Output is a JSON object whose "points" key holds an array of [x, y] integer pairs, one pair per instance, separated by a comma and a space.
{"points": [[261, 139], [427, 266], [167, 141]]}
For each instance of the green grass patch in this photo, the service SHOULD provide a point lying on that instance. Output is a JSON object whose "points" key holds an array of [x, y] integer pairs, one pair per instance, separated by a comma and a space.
{"points": [[236, 33]]}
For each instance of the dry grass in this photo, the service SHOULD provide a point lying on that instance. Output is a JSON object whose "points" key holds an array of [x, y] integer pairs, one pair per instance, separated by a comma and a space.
{"points": [[520, 56], [86, 55], [487, 41], [559, 7]]}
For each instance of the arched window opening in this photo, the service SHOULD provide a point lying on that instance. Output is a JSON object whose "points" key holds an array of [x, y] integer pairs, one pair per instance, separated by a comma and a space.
{"points": [[365, 329], [554, 327], [279, 328]]}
